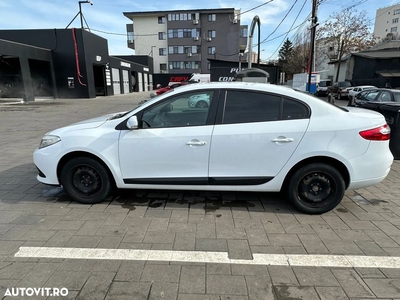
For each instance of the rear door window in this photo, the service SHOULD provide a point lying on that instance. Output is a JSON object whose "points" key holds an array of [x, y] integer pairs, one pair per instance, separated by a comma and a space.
{"points": [[247, 107]]}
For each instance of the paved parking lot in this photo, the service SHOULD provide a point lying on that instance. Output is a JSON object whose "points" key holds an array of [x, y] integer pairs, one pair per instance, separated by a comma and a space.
{"points": [[182, 245]]}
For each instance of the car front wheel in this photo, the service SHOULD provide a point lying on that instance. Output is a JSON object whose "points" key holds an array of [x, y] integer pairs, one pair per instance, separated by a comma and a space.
{"points": [[316, 188], [202, 104], [85, 180]]}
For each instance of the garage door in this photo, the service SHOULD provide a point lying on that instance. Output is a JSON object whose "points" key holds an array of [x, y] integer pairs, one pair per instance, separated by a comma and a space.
{"points": [[116, 81], [140, 81], [125, 79]]}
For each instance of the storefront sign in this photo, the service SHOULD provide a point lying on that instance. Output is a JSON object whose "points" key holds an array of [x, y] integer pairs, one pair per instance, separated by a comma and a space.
{"points": [[124, 64]]}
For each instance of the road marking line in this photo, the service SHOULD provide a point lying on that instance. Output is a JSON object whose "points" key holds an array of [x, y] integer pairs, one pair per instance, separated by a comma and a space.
{"points": [[347, 261]]}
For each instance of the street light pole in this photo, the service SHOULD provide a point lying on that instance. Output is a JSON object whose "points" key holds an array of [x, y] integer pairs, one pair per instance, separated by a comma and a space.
{"points": [[314, 25]]}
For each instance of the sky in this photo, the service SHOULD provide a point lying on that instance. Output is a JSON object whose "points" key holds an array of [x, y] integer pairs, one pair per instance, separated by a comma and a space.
{"points": [[105, 18]]}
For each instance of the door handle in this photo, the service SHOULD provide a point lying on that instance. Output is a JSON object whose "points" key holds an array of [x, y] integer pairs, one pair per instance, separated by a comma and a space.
{"points": [[282, 139], [196, 143]]}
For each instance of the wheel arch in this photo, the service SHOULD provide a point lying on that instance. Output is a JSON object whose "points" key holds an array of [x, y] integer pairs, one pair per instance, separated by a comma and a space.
{"points": [[75, 154], [337, 164]]}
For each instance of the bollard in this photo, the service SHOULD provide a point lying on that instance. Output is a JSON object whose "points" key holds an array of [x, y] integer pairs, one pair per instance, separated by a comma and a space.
{"points": [[351, 101], [331, 99]]}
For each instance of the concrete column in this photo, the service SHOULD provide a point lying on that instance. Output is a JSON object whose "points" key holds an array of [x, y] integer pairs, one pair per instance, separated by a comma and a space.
{"points": [[29, 94]]}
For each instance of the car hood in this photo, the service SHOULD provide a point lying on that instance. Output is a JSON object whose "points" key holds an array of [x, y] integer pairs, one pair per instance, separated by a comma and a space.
{"points": [[86, 124]]}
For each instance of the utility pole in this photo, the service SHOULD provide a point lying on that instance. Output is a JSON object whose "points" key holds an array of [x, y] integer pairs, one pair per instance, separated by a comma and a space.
{"points": [[314, 25]]}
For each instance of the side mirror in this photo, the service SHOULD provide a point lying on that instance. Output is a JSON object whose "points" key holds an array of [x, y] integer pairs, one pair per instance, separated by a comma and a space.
{"points": [[132, 123]]}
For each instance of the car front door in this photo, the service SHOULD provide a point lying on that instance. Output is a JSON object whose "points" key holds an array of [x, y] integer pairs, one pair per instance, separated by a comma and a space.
{"points": [[172, 143], [255, 135]]}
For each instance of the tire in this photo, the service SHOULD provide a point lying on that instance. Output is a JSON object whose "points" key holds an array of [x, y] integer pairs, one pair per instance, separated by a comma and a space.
{"points": [[316, 188], [201, 104], [85, 180]]}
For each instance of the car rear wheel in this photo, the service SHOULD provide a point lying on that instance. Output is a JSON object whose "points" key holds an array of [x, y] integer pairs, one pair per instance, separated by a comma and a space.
{"points": [[316, 188], [201, 104], [85, 180]]}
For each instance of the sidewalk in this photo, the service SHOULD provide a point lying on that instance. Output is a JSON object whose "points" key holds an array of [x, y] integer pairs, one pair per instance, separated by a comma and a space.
{"points": [[183, 245]]}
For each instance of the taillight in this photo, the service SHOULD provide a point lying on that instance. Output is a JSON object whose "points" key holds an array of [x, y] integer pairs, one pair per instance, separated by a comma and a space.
{"points": [[381, 133]]}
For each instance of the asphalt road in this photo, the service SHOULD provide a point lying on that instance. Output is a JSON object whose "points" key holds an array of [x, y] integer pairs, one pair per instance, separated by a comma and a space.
{"points": [[182, 245]]}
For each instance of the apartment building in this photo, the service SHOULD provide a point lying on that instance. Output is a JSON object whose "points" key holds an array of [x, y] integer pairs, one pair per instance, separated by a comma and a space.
{"points": [[181, 41], [387, 22]]}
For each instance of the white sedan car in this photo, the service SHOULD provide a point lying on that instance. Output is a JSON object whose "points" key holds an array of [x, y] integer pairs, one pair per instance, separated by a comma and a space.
{"points": [[252, 137], [357, 89]]}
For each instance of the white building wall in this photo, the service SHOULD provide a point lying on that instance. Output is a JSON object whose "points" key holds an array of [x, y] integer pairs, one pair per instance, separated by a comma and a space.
{"points": [[146, 31], [387, 20]]}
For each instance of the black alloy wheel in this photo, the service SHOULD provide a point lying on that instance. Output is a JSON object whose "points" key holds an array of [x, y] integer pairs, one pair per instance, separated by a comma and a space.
{"points": [[85, 180]]}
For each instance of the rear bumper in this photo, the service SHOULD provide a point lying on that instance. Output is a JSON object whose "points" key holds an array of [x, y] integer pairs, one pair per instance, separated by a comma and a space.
{"points": [[372, 167]]}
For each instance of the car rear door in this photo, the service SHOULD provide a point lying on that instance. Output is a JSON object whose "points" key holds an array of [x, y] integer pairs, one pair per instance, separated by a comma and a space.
{"points": [[255, 135]]}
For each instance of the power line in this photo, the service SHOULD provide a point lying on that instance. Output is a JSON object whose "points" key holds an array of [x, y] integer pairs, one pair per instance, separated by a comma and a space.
{"points": [[305, 1], [280, 22]]}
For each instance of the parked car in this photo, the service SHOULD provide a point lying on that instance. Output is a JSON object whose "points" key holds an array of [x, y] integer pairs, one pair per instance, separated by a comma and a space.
{"points": [[322, 87], [340, 90], [167, 88], [354, 91], [199, 101], [369, 97], [253, 137]]}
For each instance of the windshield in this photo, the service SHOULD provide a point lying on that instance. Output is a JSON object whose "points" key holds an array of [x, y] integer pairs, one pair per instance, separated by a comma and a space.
{"points": [[324, 83], [345, 84]]}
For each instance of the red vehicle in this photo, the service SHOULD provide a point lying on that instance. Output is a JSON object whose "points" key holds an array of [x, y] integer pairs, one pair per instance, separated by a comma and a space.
{"points": [[167, 88]]}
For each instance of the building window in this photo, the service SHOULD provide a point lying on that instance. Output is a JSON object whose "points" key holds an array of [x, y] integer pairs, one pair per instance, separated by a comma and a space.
{"points": [[211, 50], [393, 29], [161, 20], [211, 34], [162, 51], [212, 17], [176, 65], [163, 67], [179, 17], [130, 37], [395, 20], [183, 33], [396, 12], [243, 32], [162, 36]]}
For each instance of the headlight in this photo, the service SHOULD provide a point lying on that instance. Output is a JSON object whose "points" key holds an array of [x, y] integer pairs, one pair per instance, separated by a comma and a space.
{"points": [[48, 140]]}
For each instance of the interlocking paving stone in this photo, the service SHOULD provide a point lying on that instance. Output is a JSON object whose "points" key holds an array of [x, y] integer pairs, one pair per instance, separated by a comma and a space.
{"points": [[164, 291], [282, 276], [384, 288], [15, 270], [39, 274], [226, 284], [352, 283], [130, 271], [129, 291], [72, 280], [330, 293], [192, 280], [315, 277], [296, 292], [96, 286], [164, 273], [239, 249]]}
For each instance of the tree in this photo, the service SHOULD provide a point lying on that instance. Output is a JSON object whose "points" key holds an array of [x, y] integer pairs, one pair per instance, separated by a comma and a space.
{"points": [[292, 59], [347, 32], [285, 56]]}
